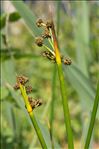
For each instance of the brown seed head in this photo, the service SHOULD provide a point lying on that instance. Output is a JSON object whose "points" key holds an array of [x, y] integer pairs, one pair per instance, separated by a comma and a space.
{"points": [[29, 89], [22, 79], [39, 22], [34, 103], [45, 53], [49, 55], [67, 61], [38, 102], [39, 41], [46, 33], [30, 99], [49, 24], [16, 86]]}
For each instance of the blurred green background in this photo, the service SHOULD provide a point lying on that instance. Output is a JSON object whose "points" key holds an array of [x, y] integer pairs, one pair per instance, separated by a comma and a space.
{"points": [[77, 27]]}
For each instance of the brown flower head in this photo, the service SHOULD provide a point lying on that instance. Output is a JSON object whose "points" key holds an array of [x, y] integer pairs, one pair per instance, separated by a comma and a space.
{"points": [[49, 24], [39, 22], [67, 61], [46, 34], [34, 103], [49, 55], [22, 79], [16, 86], [28, 89], [39, 41]]}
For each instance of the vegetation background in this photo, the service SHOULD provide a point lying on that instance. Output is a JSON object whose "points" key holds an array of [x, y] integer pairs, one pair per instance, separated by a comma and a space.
{"points": [[77, 26]]}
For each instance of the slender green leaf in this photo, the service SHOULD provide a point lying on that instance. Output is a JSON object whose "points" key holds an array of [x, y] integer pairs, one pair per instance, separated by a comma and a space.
{"points": [[81, 28], [92, 119], [82, 38]]}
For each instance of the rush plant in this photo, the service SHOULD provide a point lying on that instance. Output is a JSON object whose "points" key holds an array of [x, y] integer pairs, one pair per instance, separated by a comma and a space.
{"points": [[30, 104], [54, 55]]}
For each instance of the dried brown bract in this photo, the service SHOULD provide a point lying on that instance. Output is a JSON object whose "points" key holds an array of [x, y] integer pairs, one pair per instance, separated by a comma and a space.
{"points": [[39, 41]]}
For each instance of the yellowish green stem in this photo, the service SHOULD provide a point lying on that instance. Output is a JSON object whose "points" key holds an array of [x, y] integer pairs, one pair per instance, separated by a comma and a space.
{"points": [[49, 49], [33, 119], [63, 92]]}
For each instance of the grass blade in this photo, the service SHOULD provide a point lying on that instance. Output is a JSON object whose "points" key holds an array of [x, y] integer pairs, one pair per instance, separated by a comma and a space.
{"points": [[82, 35], [93, 117], [79, 80]]}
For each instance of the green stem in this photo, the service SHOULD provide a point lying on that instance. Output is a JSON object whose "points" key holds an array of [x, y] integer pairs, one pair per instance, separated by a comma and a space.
{"points": [[65, 108], [38, 131], [33, 119], [63, 91], [49, 49], [92, 120], [51, 43], [52, 104]]}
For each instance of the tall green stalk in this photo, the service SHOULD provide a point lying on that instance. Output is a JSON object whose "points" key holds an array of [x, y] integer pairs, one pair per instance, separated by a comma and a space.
{"points": [[54, 79], [65, 108], [63, 91], [92, 120], [38, 131], [33, 119], [52, 104]]}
